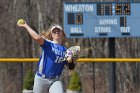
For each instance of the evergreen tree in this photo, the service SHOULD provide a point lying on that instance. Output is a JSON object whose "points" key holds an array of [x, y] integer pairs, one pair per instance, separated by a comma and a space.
{"points": [[75, 83], [28, 81]]}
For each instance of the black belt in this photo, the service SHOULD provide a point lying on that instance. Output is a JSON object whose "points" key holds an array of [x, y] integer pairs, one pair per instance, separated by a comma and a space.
{"points": [[47, 77]]}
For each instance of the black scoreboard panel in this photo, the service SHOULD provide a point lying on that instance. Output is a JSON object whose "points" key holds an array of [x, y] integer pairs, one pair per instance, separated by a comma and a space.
{"points": [[104, 9], [118, 9], [123, 22], [71, 18], [75, 18], [79, 18], [108, 9], [122, 8], [126, 9], [100, 9]]}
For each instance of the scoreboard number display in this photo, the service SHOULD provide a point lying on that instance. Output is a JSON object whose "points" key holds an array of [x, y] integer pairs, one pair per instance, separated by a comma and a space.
{"points": [[103, 19]]}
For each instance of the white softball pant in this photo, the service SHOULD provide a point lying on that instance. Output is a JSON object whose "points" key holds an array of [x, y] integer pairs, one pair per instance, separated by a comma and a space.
{"points": [[47, 85]]}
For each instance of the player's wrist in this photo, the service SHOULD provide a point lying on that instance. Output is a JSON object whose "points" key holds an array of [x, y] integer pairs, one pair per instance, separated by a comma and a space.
{"points": [[69, 60]]}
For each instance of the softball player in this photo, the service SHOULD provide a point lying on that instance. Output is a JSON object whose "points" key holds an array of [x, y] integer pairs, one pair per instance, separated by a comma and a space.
{"points": [[50, 65]]}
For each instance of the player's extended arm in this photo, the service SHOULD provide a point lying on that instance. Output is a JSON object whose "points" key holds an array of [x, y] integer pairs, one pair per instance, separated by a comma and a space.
{"points": [[33, 34]]}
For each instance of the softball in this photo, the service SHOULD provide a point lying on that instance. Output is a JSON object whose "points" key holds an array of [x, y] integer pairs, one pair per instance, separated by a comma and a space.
{"points": [[21, 22]]}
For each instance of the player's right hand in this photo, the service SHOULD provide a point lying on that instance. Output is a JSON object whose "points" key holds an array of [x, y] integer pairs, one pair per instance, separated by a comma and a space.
{"points": [[21, 22]]}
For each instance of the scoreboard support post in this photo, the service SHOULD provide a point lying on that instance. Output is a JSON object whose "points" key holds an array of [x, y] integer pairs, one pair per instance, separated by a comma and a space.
{"points": [[112, 66]]}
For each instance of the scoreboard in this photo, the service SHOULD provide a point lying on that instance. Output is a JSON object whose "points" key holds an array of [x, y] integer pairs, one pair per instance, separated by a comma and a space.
{"points": [[103, 19]]}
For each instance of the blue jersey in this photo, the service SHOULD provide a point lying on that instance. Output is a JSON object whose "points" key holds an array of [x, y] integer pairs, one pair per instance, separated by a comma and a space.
{"points": [[50, 63]]}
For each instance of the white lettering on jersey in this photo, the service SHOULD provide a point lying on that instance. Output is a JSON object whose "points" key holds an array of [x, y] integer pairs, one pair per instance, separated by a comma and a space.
{"points": [[60, 55], [58, 59], [58, 52]]}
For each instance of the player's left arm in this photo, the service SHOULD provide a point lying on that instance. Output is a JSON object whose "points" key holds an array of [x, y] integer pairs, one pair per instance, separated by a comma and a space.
{"points": [[71, 62], [71, 65]]}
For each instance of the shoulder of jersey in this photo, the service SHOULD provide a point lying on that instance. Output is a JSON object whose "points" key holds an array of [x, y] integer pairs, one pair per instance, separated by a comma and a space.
{"points": [[47, 39]]}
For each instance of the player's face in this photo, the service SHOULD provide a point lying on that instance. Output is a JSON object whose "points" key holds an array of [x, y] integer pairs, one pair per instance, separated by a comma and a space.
{"points": [[56, 33]]}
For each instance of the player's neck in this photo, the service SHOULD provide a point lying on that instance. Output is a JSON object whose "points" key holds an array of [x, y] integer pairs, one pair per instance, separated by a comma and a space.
{"points": [[57, 41]]}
